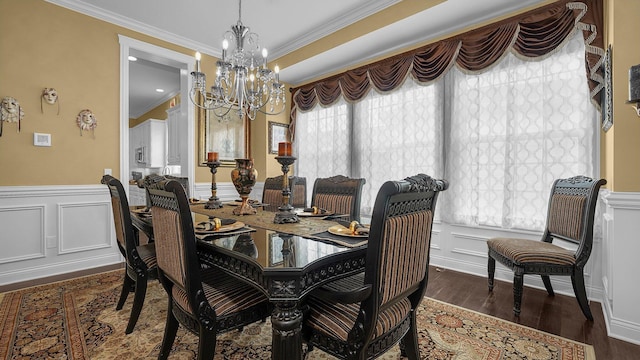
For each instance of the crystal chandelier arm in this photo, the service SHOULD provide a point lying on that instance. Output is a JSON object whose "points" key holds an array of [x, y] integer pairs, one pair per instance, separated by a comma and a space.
{"points": [[242, 78]]}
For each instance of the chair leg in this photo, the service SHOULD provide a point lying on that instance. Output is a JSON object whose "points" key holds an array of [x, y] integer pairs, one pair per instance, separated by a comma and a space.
{"points": [[126, 288], [409, 343], [577, 280], [518, 282], [491, 270], [138, 301], [170, 330], [547, 284], [206, 344]]}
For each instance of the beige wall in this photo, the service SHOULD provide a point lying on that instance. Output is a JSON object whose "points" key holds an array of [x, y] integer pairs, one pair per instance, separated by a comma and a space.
{"points": [[44, 45], [621, 144]]}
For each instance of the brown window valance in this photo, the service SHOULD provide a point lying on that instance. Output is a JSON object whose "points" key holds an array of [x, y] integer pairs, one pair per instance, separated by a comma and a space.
{"points": [[530, 35]]}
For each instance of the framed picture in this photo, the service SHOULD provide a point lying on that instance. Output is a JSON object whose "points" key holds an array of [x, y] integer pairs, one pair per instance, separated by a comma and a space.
{"points": [[278, 132], [226, 133]]}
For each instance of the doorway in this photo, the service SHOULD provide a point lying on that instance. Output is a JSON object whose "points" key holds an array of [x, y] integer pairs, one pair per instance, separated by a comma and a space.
{"points": [[129, 46]]}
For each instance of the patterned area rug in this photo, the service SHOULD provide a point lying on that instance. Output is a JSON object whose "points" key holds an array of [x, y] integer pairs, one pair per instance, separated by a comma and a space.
{"points": [[76, 319]]}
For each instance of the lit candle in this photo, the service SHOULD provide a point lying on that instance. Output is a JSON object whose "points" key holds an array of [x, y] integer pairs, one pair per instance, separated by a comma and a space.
{"points": [[277, 70], [284, 148], [198, 56], [212, 156], [264, 56], [225, 45]]}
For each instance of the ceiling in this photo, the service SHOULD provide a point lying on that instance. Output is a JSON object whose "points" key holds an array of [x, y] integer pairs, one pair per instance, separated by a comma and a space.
{"points": [[285, 26]]}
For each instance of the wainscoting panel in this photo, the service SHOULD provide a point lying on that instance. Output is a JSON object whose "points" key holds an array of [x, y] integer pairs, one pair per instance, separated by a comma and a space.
{"points": [[22, 243], [52, 230], [84, 226], [620, 265]]}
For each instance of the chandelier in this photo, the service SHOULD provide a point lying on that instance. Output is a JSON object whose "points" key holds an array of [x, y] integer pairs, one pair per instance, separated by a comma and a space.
{"points": [[243, 80]]}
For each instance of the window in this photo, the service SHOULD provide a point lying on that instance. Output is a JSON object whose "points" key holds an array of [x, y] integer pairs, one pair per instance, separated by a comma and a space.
{"points": [[500, 137]]}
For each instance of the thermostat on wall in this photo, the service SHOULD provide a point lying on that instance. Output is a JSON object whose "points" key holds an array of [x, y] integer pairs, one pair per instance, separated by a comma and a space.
{"points": [[41, 139]]}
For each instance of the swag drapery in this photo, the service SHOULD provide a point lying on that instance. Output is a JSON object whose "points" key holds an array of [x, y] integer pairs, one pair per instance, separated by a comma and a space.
{"points": [[533, 34]]}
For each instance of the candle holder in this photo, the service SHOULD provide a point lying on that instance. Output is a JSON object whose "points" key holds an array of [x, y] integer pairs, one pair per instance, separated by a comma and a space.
{"points": [[214, 201], [285, 212]]}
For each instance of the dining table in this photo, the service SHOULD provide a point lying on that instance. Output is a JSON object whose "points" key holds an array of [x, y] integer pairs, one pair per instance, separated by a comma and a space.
{"points": [[284, 261]]}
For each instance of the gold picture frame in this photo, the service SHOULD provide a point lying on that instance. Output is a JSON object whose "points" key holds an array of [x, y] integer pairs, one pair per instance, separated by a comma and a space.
{"points": [[229, 135]]}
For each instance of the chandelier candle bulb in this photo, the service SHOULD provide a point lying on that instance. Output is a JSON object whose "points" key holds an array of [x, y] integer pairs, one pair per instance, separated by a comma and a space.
{"points": [[198, 56], [264, 56], [225, 45], [284, 148]]}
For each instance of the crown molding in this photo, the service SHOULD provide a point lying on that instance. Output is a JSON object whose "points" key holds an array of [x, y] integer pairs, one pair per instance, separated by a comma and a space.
{"points": [[131, 24]]}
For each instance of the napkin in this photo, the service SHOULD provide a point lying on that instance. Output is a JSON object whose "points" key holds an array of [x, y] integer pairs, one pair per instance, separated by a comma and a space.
{"points": [[362, 230], [210, 225]]}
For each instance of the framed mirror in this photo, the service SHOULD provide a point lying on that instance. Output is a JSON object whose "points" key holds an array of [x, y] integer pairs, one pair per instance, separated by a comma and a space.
{"points": [[229, 136]]}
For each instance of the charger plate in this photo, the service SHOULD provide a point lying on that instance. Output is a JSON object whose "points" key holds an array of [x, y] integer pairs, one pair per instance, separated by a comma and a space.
{"points": [[343, 231], [225, 228]]}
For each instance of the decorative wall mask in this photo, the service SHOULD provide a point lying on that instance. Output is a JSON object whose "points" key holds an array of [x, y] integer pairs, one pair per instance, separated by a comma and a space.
{"points": [[86, 120], [10, 111], [50, 96]]}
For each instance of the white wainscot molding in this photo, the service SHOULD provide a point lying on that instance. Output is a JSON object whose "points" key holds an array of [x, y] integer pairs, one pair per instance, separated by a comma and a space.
{"points": [[226, 191], [52, 230], [621, 248]]}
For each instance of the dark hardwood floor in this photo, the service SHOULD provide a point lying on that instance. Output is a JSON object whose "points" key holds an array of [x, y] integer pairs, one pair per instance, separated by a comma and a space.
{"points": [[559, 314]]}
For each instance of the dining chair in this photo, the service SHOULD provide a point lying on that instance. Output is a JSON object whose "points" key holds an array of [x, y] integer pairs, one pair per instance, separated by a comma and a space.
{"points": [[339, 194], [364, 315], [183, 180], [570, 214], [140, 260], [272, 192], [298, 191], [205, 300]]}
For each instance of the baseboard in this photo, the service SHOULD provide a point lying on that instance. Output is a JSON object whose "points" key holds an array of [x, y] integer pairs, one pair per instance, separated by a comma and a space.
{"points": [[11, 280], [60, 277]]}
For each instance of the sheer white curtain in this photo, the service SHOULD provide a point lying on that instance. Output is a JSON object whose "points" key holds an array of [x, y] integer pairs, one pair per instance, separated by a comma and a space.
{"points": [[513, 130], [396, 135], [323, 143]]}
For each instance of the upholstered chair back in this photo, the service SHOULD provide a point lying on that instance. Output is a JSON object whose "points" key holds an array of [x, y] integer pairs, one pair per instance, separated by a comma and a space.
{"points": [[399, 239], [298, 191], [571, 212], [339, 194], [121, 217], [175, 241], [272, 192]]}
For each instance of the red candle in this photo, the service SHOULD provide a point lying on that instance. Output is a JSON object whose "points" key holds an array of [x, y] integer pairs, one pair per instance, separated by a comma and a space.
{"points": [[212, 156], [284, 149]]}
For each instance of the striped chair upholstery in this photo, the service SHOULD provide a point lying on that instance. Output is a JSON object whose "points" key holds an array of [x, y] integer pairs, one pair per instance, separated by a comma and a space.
{"points": [[338, 194], [272, 192], [570, 216], [206, 301], [140, 259], [298, 191], [362, 316]]}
